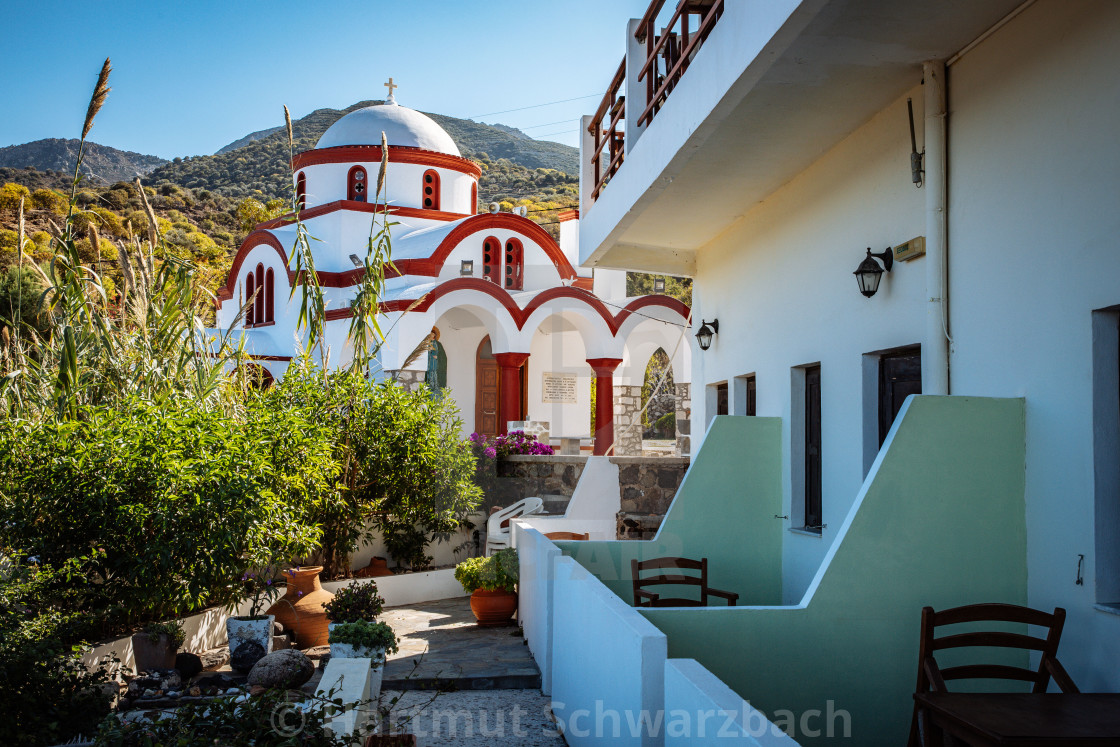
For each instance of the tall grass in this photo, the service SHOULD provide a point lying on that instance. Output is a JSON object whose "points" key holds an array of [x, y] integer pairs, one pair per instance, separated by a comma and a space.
{"points": [[148, 340]]}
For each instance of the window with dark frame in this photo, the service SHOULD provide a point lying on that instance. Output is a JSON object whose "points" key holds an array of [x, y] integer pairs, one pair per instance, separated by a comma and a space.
{"points": [[813, 484], [356, 186], [514, 264], [301, 191], [721, 399], [751, 407], [491, 259]]}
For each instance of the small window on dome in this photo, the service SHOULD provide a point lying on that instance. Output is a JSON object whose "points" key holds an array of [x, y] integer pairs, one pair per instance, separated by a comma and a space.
{"points": [[356, 184], [431, 190], [491, 258]]}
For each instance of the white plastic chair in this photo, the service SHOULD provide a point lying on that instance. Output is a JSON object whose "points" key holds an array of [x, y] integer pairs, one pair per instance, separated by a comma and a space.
{"points": [[499, 537]]}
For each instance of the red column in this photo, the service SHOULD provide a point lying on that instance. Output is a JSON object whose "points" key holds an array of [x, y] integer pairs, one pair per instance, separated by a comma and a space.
{"points": [[604, 402], [509, 388]]}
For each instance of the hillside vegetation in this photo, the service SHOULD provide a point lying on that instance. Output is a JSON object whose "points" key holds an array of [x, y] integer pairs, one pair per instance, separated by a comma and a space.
{"points": [[102, 164]]}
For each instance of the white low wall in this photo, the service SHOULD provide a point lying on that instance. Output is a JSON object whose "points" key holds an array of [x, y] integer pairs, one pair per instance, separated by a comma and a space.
{"points": [[608, 663], [204, 631], [536, 556], [443, 553], [207, 629], [594, 505], [701, 709], [409, 588]]}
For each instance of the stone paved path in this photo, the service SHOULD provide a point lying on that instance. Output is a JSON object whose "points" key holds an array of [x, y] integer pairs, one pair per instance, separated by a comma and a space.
{"points": [[497, 718], [454, 652]]}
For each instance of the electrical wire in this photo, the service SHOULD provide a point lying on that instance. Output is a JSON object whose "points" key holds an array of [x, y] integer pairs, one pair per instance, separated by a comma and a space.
{"points": [[537, 106]]}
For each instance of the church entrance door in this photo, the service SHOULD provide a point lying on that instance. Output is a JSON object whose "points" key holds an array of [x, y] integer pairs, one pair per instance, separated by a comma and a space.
{"points": [[486, 391]]}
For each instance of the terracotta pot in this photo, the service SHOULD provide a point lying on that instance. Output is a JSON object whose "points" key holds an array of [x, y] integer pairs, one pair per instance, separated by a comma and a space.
{"points": [[300, 610], [493, 608], [390, 740], [149, 654], [377, 567]]}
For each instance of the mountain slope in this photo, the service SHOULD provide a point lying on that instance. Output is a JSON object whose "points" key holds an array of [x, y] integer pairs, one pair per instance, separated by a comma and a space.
{"points": [[257, 165], [102, 163]]}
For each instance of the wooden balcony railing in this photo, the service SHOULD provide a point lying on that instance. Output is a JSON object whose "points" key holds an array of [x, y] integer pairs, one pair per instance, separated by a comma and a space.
{"points": [[669, 53], [607, 131]]}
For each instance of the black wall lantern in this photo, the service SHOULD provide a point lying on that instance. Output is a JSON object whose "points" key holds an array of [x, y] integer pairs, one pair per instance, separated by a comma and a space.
{"points": [[868, 274], [706, 332]]}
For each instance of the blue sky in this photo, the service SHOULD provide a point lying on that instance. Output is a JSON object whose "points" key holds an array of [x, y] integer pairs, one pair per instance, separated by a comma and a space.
{"points": [[190, 77]]}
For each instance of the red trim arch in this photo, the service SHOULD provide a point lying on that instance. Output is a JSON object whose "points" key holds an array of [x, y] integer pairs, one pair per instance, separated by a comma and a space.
{"points": [[251, 242], [519, 315], [397, 154], [489, 222]]}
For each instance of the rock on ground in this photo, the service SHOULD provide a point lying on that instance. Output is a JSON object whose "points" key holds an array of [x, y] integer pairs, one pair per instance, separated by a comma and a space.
{"points": [[246, 655], [289, 668]]}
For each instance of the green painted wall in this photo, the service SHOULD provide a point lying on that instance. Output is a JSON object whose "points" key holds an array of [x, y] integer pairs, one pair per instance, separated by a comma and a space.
{"points": [[724, 511], [940, 521]]}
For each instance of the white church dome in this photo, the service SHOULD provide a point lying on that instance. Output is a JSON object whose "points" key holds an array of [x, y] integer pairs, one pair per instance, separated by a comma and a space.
{"points": [[401, 125]]}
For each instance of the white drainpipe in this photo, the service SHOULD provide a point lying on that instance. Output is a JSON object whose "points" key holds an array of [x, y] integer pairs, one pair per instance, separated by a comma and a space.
{"points": [[935, 353]]}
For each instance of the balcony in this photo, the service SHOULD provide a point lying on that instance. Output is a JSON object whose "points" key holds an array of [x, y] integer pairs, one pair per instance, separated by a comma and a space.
{"points": [[716, 105]]}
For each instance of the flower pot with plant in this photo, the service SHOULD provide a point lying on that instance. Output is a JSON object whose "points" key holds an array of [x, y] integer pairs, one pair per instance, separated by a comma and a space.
{"points": [[364, 639], [155, 645], [358, 601], [491, 582], [255, 627]]}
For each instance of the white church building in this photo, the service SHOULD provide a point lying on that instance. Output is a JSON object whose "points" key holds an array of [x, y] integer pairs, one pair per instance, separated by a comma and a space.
{"points": [[520, 331]]}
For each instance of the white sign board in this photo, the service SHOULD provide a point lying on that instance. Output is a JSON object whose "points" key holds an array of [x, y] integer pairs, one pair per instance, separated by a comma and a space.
{"points": [[559, 388]]}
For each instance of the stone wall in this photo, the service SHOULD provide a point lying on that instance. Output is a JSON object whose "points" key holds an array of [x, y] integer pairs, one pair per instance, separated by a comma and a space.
{"points": [[648, 487], [628, 420], [684, 416]]}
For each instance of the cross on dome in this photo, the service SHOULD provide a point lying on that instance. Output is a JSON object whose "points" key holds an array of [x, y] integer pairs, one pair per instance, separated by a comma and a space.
{"points": [[390, 85]]}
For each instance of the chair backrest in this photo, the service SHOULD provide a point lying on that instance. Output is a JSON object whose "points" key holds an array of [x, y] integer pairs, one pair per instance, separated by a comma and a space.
{"points": [[932, 677], [498, 523], [567, 535], [641, 595]]}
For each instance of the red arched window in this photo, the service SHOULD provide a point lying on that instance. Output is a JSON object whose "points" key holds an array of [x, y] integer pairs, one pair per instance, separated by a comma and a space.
{"points": [[268, 279], [491, 259], [301, 191], [474, 198], [515, 265], [250, 287], [258, 312], [431, 190], [356, 186]]}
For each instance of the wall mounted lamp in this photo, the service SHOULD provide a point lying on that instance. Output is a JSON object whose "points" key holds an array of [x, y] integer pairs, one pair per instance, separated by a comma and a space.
{"points": [[356, 260], [659, 285], [466, 267], [707, 331], [868, 274]]}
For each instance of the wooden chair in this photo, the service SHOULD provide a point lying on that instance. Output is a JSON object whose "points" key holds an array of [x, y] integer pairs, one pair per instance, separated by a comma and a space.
{"points": [[931, 678], [643, 598], [582, 536]]}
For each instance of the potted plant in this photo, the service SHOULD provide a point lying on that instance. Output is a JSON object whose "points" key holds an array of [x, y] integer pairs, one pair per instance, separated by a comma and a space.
{"points": [[358, 601], [255, 627], [155, 645], [364, 639], [491, 582]]}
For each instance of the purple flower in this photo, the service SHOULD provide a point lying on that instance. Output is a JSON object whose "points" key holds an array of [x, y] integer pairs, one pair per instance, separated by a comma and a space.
{"points": [[491, 452]]}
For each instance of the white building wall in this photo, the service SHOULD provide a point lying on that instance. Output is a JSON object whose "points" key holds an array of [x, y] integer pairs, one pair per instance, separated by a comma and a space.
{"points": [[1033, 251], [326, 182], [780, 283], [560, 352]]}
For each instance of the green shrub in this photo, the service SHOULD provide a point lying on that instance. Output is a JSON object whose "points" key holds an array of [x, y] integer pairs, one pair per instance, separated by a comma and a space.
{"points": [[173, 629], [358, 601], [499, 572], [367, 634], [182, 501], [50, 696]]}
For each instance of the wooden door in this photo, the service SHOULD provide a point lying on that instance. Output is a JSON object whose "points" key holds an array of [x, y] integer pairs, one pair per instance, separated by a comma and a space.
{"points": [[813, 513], [486, 391], [900, 375]]}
